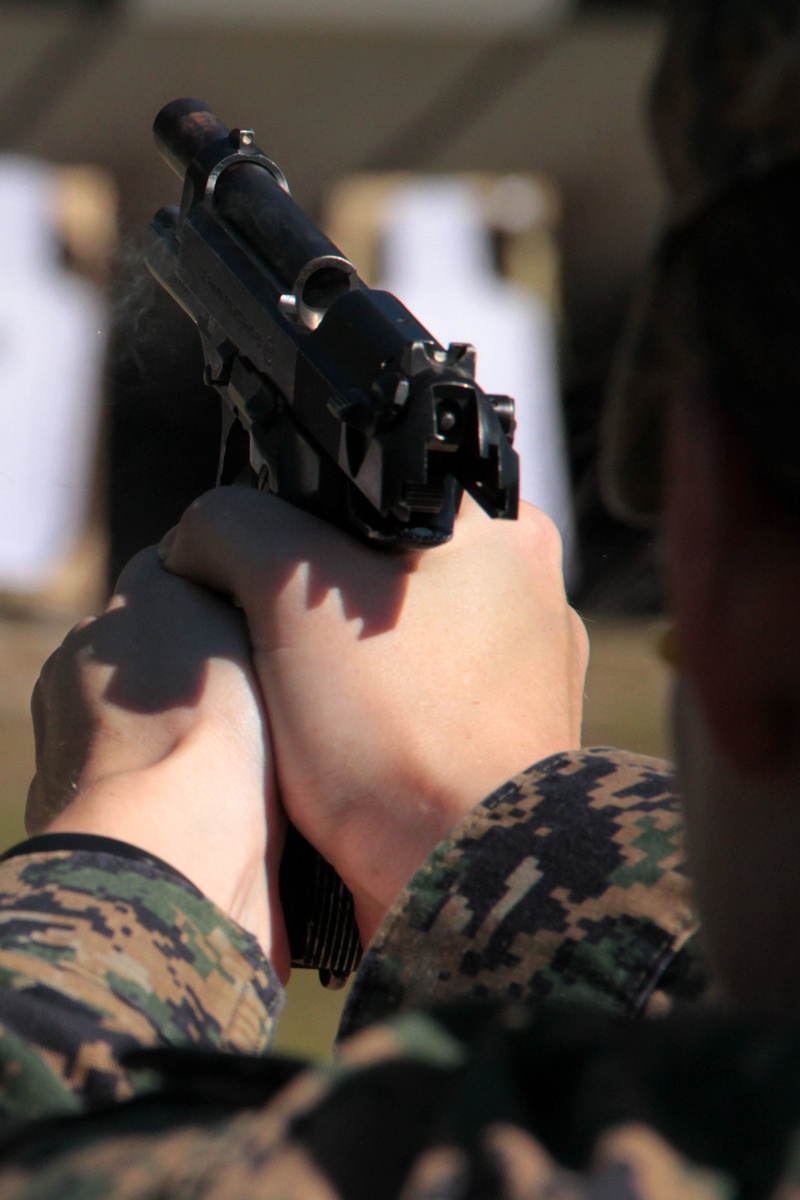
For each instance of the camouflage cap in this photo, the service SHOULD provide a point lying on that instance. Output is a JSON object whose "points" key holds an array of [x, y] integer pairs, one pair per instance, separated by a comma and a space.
{"points": [[725, 111]]}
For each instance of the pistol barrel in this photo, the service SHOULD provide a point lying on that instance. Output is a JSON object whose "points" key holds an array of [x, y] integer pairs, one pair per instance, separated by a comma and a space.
{"points": [[250, 195], [185, 131]]}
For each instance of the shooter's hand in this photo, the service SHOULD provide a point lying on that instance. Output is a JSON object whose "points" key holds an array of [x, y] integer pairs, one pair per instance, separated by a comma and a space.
{"points": [[149, 729], [401, 688]]}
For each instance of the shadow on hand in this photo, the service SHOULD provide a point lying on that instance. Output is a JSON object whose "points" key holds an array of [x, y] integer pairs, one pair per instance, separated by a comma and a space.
{"points": [[166, 629], [160, 639], [375, 602], [259, 544], [148, 655]]}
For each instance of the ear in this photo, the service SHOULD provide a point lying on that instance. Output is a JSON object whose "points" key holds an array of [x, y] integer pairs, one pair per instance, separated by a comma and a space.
{"points": [[733, 555]]}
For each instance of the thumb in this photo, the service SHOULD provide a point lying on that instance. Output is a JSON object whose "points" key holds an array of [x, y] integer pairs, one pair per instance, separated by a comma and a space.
{"points": [[237, 541]]}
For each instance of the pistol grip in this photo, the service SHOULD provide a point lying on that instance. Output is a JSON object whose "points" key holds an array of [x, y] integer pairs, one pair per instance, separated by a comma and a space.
{"points": [[318, 910]]}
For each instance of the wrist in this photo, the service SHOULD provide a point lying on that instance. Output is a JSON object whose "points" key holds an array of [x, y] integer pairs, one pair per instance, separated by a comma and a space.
{"points": [[177, 818], [378, 852]]}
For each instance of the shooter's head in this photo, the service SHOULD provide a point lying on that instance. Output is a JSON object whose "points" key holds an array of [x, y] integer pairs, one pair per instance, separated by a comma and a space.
{"points": [[704, 428]]}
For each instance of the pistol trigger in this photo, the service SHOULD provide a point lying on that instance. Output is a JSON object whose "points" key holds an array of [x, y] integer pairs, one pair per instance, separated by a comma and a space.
{"points": [[228, 417], [234, 453], [220, 355]]}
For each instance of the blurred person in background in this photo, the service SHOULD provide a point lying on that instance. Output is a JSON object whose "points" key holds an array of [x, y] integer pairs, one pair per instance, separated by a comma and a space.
{"points": [[381, 698], [47, 457]]}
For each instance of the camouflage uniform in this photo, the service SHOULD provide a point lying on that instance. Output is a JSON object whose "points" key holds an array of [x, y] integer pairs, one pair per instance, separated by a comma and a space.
{"points": [[122, 981], [725, 107]]}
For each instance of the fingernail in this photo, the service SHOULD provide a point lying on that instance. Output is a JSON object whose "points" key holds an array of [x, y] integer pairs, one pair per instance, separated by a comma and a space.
{"points": [[167, 542]]}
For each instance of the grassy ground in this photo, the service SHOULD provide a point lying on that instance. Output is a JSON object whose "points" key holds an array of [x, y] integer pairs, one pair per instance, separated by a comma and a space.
{"points": [[626, 697]]}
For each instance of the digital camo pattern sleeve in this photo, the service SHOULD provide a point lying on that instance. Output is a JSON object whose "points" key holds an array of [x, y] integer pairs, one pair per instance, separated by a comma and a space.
{"points": [[467, 1103], [495, 1101], [103, 950], [566, 884]]}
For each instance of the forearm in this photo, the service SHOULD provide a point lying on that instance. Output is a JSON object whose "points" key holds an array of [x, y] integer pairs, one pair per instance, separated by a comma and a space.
{"points": [[104, 949], [566, 883], [157, 809], [150, 729]]}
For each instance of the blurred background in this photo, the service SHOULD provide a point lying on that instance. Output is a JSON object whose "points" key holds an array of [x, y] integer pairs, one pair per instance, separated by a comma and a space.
{"points": [[534, 108]]}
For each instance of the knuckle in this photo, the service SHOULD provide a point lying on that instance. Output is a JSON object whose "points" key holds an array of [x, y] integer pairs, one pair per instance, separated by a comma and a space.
{"points": [[220, 519], [140, 567], [82, 625], [542, 536]]}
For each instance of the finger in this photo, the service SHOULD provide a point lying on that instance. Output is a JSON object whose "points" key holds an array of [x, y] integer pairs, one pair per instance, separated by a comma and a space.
{"points": [[144, 567], [145, 574], [149, 591], [224, 537], [233, 539], [230, 532], [251, 545], [51, 668], [39, 714]]}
